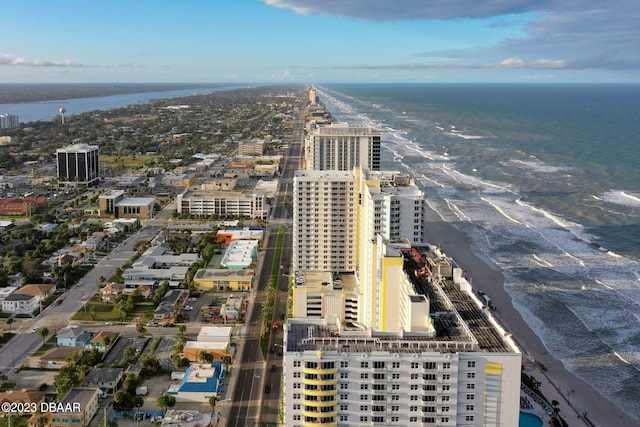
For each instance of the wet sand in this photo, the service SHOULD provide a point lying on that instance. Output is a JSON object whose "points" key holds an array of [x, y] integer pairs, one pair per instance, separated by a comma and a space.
{"points": [[557, 381]]}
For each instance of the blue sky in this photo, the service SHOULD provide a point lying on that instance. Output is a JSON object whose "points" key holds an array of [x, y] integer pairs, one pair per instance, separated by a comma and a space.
{"points": [[320, 41]]}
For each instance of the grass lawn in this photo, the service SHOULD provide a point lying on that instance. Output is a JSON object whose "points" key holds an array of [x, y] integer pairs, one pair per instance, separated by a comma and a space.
{"points": [[126, 161], [96, 310]]}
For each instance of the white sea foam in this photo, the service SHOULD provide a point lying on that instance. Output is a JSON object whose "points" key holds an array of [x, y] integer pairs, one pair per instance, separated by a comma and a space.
{"points": [[537, 166], [620, 197]]}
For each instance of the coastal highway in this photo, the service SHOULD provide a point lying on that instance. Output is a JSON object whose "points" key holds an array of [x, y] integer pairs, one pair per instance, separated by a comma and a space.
{"points": [[250, 404]]}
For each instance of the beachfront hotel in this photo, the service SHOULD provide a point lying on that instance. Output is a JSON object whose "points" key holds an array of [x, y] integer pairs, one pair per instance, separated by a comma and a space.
{"points": [[338, 146], [78, 164], [385, 329], [425, 351], [334, 211]]}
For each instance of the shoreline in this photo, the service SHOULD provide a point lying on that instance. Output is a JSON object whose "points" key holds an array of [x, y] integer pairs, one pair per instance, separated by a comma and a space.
{"points": [[556, 380]]}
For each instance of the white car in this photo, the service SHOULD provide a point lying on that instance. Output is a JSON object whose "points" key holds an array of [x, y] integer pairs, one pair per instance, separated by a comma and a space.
{"points": [[84, 297], [192, 299], [188, 308], [35, 329]]}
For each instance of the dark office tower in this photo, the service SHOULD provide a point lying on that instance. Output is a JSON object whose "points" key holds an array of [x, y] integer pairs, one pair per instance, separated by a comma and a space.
{"points": [[78, 165]]}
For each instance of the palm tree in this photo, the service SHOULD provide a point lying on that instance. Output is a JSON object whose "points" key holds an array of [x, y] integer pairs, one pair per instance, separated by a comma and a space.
{"points": [[130, 352], [9, 321], [43, 332], [212, 401]]}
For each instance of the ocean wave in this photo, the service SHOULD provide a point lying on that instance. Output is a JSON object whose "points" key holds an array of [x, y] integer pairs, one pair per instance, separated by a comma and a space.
{"points": [[620, 197], [537, 166]]}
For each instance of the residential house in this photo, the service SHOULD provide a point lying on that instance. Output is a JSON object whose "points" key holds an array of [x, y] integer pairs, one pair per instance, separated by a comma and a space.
{"points": [[58, 357], [24, 398], [106, 379], [111, 290], [103, 340], [40, 291], [171, 302], [73, 336], [20, 304]]}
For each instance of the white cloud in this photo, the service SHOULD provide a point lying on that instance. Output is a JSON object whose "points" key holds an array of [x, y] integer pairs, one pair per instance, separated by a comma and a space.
{"points": [[19, 61]]}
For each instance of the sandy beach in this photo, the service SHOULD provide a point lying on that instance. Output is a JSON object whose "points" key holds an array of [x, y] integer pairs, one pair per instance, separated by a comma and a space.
{"points": [[557, 382]]}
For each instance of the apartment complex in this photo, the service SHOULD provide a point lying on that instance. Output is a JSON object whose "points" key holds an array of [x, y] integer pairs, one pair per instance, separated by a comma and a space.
{"points": [[78, 164], [425, 350], [247, 204], [385, 329], [336, 212], [338, 146], [251, 147], [9, 121]]}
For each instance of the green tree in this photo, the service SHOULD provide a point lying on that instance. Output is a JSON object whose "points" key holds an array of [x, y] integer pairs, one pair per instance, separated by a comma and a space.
{"points": [[166, 401], [123, 400], [43, 332], [205, 357], [9, 322], [130, 352], [131, 381]]}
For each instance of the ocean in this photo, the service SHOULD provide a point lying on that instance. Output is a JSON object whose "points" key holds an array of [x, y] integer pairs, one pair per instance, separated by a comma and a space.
{"points": [[545, 180]]}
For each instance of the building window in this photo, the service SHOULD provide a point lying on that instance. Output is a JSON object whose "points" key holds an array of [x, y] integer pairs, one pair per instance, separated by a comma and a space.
{"points": [[470, 407], [415, 365], [364, 386], [471, 374], [446, 365], [471, 396], [364, 397], [344, 364], [364, 375], [468, 418], [471, 386], [471, 364], [364, 364]]}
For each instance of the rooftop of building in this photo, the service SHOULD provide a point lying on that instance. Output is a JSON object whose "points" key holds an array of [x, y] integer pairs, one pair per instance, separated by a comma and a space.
{"points": [[210, 273], [327, 282], [461, 322], [136, 201]]}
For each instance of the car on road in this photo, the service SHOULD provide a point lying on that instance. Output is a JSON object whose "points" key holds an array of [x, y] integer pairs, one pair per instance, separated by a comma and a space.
{"points": [[274, 368], [109, 323], [193, 299], [188, 308], [35, 329], [152, 324], [267, 388], [84, 297], [59, 301]]}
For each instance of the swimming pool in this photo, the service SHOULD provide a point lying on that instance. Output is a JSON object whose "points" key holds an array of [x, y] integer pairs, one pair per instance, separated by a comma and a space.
{"points": [[529, 420]]}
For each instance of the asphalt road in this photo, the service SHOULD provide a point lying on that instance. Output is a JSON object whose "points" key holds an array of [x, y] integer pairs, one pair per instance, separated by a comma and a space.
{"points": [[250, 404], [55, 317]]}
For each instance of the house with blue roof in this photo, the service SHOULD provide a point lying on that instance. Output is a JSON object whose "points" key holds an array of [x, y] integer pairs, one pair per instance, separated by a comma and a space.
{"points": [[199, 383], [73, 336]]}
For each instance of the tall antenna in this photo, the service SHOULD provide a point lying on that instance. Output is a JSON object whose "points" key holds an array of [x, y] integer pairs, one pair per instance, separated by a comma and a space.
{"points": [[62, 111]]}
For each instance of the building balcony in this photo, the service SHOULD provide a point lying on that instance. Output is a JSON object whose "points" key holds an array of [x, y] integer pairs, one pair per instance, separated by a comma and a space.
{"points": [[319, 403], [317, 371], [327, 424], [314, 414], [319, 392], [308, 381]]}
